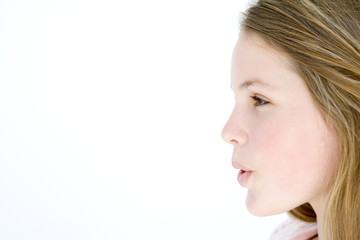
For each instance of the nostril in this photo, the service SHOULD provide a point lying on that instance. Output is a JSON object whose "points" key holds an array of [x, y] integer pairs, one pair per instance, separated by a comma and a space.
{"points": [[234, 133], [228, 137]]}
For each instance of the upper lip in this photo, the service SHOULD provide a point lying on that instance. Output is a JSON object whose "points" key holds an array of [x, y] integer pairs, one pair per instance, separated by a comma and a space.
{"points": [[241, 167]]}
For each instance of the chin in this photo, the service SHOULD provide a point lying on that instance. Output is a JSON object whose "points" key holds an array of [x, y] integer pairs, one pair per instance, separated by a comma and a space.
{"points": [[263, 210]]}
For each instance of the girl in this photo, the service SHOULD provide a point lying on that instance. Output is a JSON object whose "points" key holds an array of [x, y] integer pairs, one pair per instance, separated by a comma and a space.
{"points": [[295, 125]]}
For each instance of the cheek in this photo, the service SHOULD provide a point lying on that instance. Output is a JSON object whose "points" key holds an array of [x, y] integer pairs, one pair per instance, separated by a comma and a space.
{"points": [[295, 150], [277, 139], [287, 145]]}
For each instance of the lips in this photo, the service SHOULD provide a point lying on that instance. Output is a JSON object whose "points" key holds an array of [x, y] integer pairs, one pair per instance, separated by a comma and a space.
{"points": [[239, 166], [243, 177], [244, 173]]}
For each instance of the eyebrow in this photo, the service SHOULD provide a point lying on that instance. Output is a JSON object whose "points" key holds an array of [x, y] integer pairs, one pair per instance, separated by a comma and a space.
{"points": [[248, 83]]}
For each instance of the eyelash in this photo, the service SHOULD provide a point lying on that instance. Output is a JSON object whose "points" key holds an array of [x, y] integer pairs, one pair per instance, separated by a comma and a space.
{"points": [[259, 101]]}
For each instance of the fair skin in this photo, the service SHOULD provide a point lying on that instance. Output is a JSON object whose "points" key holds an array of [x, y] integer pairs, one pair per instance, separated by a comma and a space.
{"points": [[278, 134]]}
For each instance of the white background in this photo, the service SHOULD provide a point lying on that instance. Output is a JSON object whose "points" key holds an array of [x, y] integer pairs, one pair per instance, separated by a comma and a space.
{"points": [[110, 121]]}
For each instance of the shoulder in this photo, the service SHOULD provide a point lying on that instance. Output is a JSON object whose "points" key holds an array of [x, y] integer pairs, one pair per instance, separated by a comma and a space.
{"points": [[293, 229]]}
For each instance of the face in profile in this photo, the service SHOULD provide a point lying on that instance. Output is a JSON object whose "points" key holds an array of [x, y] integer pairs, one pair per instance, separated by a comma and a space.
{"points": [[284, 150]]}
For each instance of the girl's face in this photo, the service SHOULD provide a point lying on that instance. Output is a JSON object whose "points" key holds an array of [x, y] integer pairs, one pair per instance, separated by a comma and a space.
{"points": [[280, 139]]}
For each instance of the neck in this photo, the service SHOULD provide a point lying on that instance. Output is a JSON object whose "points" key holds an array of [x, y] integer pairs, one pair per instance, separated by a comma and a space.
{"points": [[319, 207]]}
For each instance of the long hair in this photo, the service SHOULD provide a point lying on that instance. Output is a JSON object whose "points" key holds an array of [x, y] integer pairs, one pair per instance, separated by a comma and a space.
{"points": [[323, 39]]}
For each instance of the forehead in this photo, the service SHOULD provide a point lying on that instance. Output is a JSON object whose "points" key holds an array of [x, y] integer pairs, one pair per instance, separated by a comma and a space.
{"points": [[254, 59]]}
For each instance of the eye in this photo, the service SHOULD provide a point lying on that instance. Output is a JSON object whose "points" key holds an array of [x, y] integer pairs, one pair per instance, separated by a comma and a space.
{"points": [[259, 101]]}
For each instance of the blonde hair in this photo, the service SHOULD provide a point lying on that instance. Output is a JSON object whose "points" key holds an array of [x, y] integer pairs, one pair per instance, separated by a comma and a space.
{"points": [[323, 38]]}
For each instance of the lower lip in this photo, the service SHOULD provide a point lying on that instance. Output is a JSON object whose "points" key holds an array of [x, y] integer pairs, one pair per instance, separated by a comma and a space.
{"points": [[243, 177]]}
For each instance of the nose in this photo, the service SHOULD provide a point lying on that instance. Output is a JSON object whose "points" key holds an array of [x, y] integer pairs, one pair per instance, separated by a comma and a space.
{"points": [[234, 131]]}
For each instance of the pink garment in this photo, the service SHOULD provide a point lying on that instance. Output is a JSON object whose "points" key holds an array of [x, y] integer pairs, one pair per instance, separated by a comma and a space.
{"points": [[293, 229]]}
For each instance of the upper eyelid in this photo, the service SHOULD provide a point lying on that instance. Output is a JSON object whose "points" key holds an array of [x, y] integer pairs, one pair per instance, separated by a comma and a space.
{"points": [[257, 99], [253, 94], [257, 95]]}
